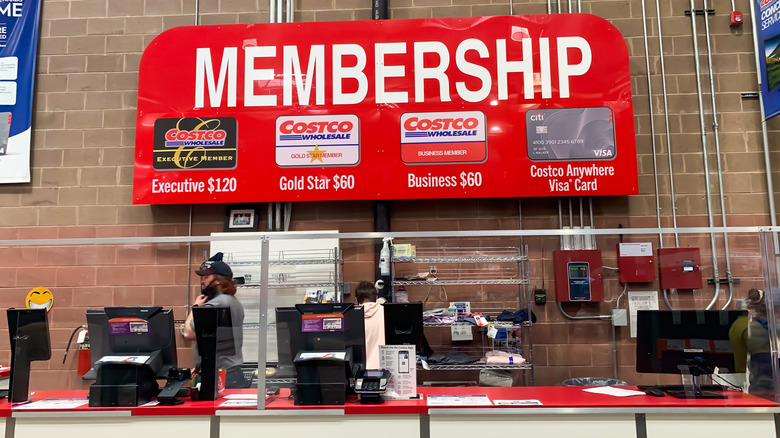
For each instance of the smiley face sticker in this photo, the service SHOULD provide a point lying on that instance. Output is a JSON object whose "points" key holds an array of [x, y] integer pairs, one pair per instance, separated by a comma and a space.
{"points": [[39, 298]]}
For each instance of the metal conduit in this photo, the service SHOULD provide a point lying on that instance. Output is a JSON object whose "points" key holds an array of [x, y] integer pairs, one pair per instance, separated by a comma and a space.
{"points": [[764, 136], [272, 11], [652, 123], [666, 119], [702, 128], [717, 157]]}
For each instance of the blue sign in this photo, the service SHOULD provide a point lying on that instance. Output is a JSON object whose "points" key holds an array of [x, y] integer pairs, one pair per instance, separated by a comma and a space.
{"points": [[768, 26], [19, 20]]}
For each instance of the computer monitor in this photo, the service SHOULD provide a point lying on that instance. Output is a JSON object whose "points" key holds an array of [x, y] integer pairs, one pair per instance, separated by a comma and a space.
{"points": [[698, 339], [214, 336], [116, 331], [404, 324], [28, 330], [319, 327]]}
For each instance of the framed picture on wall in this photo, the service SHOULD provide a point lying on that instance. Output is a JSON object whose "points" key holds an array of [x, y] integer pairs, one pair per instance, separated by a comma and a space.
{"points": [[241, 219]]}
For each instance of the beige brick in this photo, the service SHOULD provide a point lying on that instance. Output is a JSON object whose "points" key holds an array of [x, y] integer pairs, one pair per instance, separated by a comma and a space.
{"points": [[130, 99], [65, 101], [136, 214], [314, 5], [120, 118], [122, 81], [126, 175], [68, 27], [87, 82], [51, 83], [257, 17], [104, 63], [401, 13], [104, 100], [18, 217], [59, 177], [143, 25], [102, 137], [168, 7], [84, 119], [118, 156], [124, 43], [87, 44], [333, 15], [63, 139], [128, 137], [46, 158], [215, 19], [55, 10], [737, 82], [487, 10], [41, 196], [49, 120], [205, 6], [53, 46], [363, 14], [105, 26], [97, 215], [171, 21], [238, 5], [451, 11], [82, 158], [78, 196], [9, 197], [56, 216], [99, 176], [132, 61], [115, 195], [125, 8], [88, 8], [67, 64], [304, 16]]}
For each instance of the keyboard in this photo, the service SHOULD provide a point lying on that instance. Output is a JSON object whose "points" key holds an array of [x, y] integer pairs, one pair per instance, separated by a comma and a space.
{"points": [[665, 388]]}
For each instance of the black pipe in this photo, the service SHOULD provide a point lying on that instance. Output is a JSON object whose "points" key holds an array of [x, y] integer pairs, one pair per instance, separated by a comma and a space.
{"points": [[379, 9], [381, 225]]}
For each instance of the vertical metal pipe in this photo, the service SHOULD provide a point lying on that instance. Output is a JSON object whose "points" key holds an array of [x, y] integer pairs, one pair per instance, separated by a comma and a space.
{"points": [[666, 119], [705, 161], [582, 224], [770, 191], [290, 10], [262, 325], [590, 209], [559, 6], [549, 6], [652, 123], [560, 219], [272, 11], [279, 10], [579, 6], [569, 10], [717, 156], [197, 22], [511, 7], [189, 264]]}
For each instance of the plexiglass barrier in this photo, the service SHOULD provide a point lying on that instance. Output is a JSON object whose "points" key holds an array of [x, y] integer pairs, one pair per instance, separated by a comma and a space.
{"points": [[521, 307]]}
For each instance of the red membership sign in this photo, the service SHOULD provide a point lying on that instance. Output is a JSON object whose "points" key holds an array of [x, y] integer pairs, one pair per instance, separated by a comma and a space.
{"points": [[508, 106]]}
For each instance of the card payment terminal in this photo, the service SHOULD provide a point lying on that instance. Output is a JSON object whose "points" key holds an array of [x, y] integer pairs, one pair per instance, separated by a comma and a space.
{"points": [[370, 384]]}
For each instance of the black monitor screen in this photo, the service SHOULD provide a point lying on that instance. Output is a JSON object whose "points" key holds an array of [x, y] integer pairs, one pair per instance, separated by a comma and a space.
{"points": [[117, 331], [307, 327], [404, 324], [667, 339]]}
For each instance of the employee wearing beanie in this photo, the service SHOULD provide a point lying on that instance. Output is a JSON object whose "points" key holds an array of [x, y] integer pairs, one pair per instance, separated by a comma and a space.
{"points": [[219, 289]]}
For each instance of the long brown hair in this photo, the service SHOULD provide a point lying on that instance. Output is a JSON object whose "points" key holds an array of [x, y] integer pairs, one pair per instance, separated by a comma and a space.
{"points": [[226, 285]]}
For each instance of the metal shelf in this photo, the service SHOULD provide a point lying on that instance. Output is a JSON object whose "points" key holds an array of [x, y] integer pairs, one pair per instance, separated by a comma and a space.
{"points": [[291, 285], [456, 282], [287, 262], [469, 259], [497, 324], [478, 366]]}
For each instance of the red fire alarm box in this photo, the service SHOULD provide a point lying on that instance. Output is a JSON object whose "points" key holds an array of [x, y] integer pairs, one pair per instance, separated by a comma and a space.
{"points": [[735, 18], [635, 262], [578, 275], [679, 268]]}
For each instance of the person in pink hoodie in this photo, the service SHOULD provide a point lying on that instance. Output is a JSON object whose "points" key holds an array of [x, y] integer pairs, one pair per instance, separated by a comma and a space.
{"points": [[374, 314]]}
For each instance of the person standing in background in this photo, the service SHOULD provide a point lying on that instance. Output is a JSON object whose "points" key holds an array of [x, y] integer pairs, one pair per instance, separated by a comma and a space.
{"points": [[219, 289], [374, 317]]}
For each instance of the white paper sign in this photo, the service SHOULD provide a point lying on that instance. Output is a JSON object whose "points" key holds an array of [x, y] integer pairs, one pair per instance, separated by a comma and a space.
{"points": [[7, 93], [9, 67], [644, 300], [459, 400], [401, 361]]}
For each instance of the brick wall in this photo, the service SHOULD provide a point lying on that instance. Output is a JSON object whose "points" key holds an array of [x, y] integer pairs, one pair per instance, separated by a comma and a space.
{"points": [[83, 150]]}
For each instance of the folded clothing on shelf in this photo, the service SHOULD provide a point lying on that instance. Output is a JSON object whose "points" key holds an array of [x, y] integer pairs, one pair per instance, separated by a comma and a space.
{"points": [[503, 358], [452, 358], [520, 316]]}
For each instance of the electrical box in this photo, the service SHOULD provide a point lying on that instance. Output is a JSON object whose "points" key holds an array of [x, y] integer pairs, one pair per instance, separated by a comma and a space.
{"points": [[679, 268], [578, 275], [635, 262]]}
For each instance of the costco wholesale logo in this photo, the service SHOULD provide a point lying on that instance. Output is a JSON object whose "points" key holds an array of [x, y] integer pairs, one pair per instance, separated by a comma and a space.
{"points": [[444, 137], [315, 141], [195, 143], [765, 2]]}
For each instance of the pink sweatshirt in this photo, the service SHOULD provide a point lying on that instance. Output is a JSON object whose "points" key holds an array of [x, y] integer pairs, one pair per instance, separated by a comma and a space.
{"points": [[374, 315]]}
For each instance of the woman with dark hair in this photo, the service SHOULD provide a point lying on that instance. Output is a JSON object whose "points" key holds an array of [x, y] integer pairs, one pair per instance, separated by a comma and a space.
{"points": [[219, 289]]}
